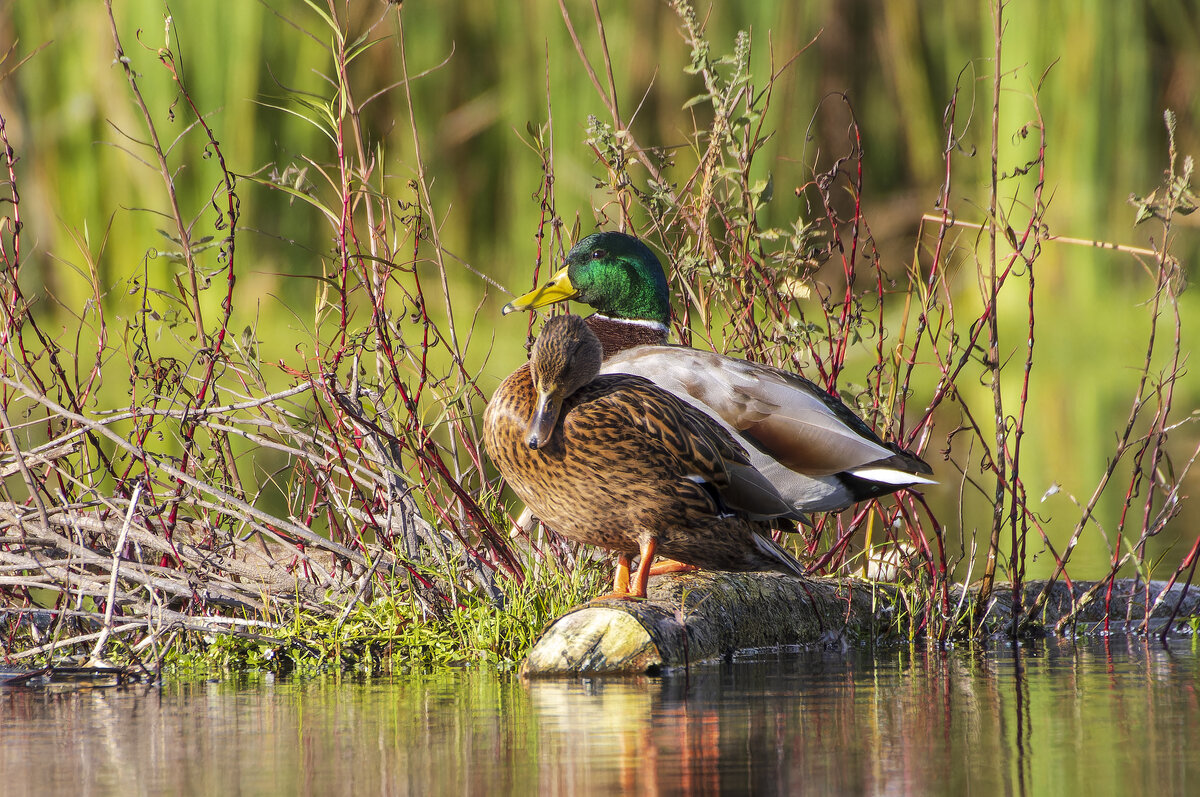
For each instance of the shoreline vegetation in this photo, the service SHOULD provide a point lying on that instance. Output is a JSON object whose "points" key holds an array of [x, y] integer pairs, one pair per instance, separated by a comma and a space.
{"points": [[174, 496]]}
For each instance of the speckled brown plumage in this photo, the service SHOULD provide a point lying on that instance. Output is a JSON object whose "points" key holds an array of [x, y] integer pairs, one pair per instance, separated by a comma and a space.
{"points": [[624, 464]]}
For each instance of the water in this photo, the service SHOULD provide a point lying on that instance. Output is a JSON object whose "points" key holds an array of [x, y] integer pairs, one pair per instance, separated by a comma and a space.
{"points": [[1051, 718]]}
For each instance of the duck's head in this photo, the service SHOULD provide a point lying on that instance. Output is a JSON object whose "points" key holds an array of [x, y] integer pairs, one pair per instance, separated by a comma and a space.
{"points": [[565, 357], [612, 272]]}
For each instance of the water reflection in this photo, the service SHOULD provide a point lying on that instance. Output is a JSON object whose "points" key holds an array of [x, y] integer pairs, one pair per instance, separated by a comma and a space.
{"points": [[1055, 718]]}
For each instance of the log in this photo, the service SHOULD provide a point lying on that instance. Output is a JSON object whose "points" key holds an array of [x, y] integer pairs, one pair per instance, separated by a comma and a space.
{"points": [[702, 616], [1083, 608], [698, 617]]}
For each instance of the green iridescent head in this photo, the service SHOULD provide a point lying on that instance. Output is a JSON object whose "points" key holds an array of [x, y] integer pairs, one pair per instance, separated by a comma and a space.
{"points": [[614, 273]]}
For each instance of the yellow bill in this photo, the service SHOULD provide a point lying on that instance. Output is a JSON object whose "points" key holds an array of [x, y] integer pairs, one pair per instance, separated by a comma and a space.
{"points": [[558, 289]]}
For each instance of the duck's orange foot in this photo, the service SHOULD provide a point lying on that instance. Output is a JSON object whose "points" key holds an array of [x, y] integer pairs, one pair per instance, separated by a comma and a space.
{"points": [[619, 596], [665, 566]]}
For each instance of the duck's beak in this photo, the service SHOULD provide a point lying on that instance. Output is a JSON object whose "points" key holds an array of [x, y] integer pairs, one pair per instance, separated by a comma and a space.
{"points": [[545, 416], [558, 289]]}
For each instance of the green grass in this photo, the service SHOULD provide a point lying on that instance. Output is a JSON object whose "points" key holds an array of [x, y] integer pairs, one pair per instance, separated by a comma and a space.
{"points": [[393, 634]]}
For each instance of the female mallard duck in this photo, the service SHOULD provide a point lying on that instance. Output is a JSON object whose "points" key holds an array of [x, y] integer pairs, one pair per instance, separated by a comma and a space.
{"points": [[818, 454], [616, 462]]}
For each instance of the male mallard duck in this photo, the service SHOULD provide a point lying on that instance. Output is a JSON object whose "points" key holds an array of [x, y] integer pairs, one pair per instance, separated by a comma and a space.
{"points": [[616, 462], [819, 455]]}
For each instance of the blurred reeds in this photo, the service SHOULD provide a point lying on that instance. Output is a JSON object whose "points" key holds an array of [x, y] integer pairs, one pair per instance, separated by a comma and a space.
{"points": [[396, 167]]}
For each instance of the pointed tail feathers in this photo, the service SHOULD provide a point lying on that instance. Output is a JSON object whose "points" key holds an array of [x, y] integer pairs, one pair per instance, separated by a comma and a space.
{"points": [[783, 561]]}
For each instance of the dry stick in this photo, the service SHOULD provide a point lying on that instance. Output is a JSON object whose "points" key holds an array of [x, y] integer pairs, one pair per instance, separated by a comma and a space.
{"points": [[1163, 259], [306, 534], [1189, 561], [365, 163], [927, 299], [201, 412], [58, 574], [612, 85], [172, 616], [166, 580], [185, 242], [34, 493], [212, 351], [9, 513], [466, 503], [611, 104], [376, 286], [1151, 441], [284, 429], [1124, 441], [1062, 239], [10, 255], [178, 620], [936, 274], [1159, 427], [1019, 515], [191, 297], [344, 224], [94, 660], [1124, 444], [989, 571], [427, 200], [75, 640], [15, 308], [1191, 558], [45, 454], [623, 199]]}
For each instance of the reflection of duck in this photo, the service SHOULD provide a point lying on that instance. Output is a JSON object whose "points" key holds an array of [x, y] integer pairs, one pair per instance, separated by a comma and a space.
{"points": [[819, 455], [616, 462]]}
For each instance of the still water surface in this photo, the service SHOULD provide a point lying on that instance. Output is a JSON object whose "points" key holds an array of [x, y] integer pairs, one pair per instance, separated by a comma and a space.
{"points": [[1121, 717]]}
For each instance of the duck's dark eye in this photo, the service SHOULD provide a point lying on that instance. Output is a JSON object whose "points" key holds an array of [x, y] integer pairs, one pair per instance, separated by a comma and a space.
{"points": [[599, 254]]}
